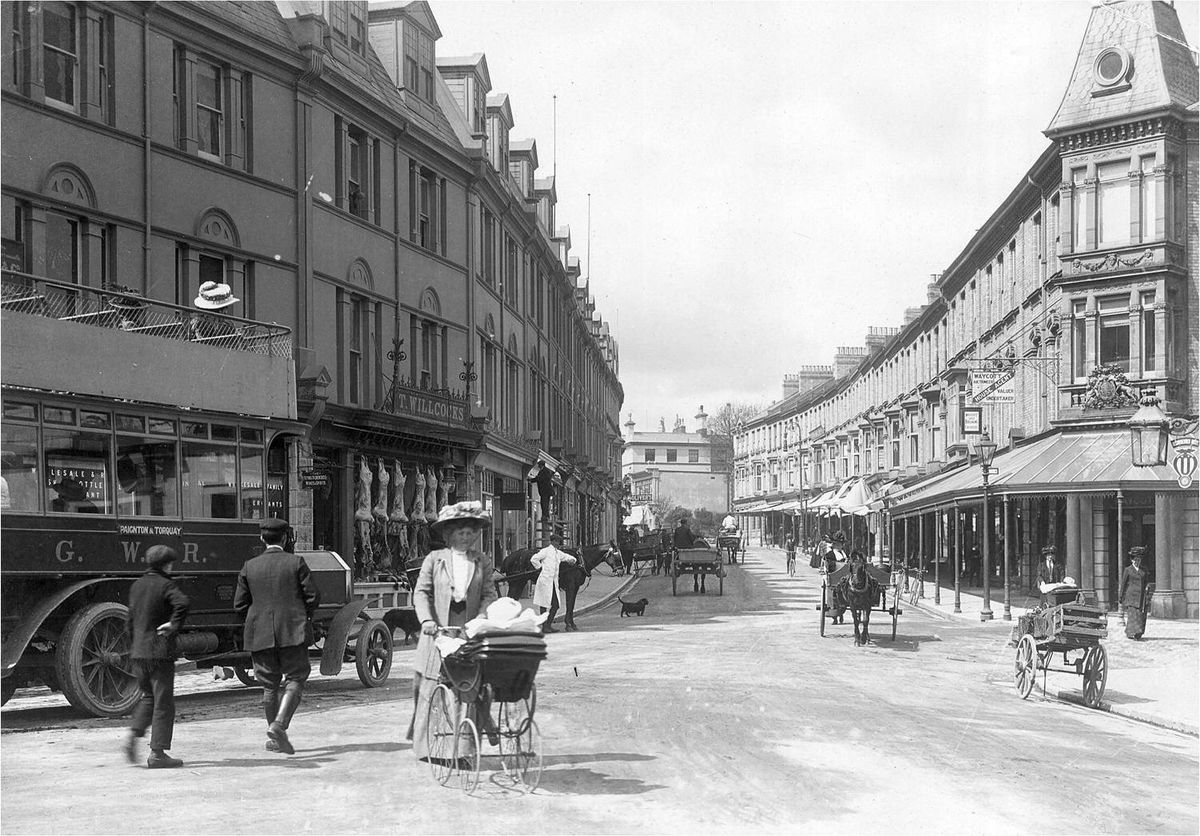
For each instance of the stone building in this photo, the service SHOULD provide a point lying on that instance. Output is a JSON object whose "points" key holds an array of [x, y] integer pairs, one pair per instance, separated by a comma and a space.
{"points": [[1076, 297], [688, 469], [322, 161]]}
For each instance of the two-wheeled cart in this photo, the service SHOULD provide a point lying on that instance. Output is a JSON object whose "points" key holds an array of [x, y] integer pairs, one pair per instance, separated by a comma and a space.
{"points": [[486, 693], [699, 563], [1074, 627], [731, 542]]}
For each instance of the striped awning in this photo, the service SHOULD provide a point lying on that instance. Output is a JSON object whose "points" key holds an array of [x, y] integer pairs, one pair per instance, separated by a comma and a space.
{"points": [[1082, 462]]}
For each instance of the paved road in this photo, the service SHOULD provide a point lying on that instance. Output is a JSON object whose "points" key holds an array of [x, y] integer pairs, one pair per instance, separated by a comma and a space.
{"points": [[711, 713]]}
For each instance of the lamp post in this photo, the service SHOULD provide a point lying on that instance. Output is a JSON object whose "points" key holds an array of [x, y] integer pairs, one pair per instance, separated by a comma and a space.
{"points": [[985, 448], [792, 425], [1148, 433]]}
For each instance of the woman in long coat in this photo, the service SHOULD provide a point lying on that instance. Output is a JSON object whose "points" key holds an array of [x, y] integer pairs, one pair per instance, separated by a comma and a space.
{"points": [[548, 592], [454, 586], [1132, 595]]}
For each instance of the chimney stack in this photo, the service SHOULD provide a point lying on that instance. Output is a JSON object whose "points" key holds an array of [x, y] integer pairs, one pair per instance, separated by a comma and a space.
{"points": [[702, 420]]}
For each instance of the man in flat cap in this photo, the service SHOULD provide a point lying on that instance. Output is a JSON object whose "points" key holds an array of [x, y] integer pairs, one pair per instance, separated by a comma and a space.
{"points": [[1050, 574], [275, 598], [157, 609]]}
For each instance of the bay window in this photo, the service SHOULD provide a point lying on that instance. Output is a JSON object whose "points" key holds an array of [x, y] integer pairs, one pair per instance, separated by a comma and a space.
{"points": [[1113, 203], [1114, 332]]}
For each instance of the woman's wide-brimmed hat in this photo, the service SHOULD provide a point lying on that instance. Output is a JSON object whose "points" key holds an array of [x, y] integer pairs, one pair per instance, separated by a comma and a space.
{"points": [[461, 512], [214, 296], [839, 537], [125, 303], [1137, 551]]}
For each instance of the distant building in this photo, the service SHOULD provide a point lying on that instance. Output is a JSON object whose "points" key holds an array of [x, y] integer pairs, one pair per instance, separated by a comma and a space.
{"points": [[688, 469]]}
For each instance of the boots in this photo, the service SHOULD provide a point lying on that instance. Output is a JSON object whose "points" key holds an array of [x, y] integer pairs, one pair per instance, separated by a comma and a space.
{"points": [[161, 760], [278, 728], [270, 711]]}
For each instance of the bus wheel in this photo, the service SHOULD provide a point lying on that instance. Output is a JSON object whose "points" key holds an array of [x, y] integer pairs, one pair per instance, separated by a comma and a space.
{"points": [[92, 661]]}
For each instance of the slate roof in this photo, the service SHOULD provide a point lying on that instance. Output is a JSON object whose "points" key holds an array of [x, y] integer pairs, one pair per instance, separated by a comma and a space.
{"points": [[1164, 72]]}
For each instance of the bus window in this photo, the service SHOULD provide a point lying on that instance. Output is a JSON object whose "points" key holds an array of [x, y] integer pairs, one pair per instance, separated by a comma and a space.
{"points": [[147, 477], [77, 471], [209, 481], [19, 481], [252, 483]]}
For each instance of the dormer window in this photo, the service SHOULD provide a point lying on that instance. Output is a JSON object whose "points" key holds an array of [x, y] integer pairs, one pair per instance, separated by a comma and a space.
{"points": [[418, 62], [1113, 65], [348, 22]]}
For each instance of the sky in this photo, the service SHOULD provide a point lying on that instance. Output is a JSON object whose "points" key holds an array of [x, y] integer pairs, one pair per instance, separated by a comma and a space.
{"points": [[768, 179]]}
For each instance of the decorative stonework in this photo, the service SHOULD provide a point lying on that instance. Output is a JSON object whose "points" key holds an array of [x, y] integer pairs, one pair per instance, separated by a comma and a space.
{"points": [[1123, 133], [217, 226], [69, 184], [1112, 261], [1108, 388], [360, 274], [429, 302]]}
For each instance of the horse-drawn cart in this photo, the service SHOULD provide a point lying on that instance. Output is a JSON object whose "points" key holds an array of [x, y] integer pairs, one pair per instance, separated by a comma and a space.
{"points": [[1072, 625], [730, 543], [655, 547], [840, 591], [699, 563]]}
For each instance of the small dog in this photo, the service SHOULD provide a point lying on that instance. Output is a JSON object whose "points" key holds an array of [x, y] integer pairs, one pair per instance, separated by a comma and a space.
{"points": [[632, 608], [406, 620]]}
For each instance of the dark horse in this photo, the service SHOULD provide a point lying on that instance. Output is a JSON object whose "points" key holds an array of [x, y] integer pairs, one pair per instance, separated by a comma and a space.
{"points": [[858, 592], [519, 572]]}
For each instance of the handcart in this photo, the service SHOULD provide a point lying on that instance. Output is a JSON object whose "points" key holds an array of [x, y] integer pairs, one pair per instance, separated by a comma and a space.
{"points": [[486, 693], [1072, 624]]}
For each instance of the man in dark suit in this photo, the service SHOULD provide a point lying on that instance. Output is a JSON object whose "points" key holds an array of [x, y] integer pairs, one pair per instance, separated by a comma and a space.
{"points": [[157, 609], [682, 537], [276, 597], [543, 477]]}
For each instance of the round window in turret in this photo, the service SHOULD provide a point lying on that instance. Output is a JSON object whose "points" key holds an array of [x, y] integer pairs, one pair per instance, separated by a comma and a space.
{"points": [[1113, 65]]}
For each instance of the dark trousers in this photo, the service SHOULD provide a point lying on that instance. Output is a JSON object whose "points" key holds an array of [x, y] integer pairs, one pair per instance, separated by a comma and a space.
{"points": [[274, 666], [156, 707], [553, 607]]}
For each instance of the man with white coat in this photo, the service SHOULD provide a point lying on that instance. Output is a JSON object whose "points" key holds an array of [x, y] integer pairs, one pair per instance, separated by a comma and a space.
{"points": [[549, 592]]}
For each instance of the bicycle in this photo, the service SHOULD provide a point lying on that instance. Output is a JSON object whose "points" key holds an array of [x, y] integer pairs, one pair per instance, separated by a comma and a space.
{"points": [[791, 563]]}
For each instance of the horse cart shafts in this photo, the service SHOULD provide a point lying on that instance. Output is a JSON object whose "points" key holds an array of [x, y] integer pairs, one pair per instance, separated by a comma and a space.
{"points": [[1075, 626], [861, 593], [731, 543], [699, 563]]}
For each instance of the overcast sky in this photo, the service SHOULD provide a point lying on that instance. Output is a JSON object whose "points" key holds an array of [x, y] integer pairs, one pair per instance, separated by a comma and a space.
{"points": [[767, 180]]}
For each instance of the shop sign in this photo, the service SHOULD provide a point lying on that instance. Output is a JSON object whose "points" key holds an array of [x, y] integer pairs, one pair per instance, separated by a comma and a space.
{"points": [[992, 387], [971, 418], [313, 477], [514, 501], [430, 407]]}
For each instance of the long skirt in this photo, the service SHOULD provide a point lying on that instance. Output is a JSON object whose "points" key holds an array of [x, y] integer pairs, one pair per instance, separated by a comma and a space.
{"points": [[425, 682], [1135, 622]]}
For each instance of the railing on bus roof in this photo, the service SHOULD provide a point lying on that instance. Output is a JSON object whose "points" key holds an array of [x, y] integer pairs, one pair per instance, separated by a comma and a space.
{"points": [[120, 309]]}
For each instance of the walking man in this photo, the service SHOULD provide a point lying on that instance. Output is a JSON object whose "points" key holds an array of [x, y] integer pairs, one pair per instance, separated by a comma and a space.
{"points": [[549, 590], [276, 597], [157, 609]]}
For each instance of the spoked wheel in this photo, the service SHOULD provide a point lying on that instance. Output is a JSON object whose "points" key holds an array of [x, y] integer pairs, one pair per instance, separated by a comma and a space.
{"points": [[520, 745], [92, 661], [824, 595], [1025, 667], [674, 581], [439, 734], [1095, 675], [373, 653], [895, 614], [245, 676], [466, 753]]}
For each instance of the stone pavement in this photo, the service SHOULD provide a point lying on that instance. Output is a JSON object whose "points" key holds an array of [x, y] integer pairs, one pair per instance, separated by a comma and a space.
{"points": [[1155, 680]]}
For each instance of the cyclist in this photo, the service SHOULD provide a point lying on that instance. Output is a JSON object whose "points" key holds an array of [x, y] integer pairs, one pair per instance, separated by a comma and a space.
{"points": [[790, 547]]}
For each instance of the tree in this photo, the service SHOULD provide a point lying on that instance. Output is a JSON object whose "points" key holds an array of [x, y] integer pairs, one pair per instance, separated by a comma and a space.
{"points": [[663, 507], [725, 419]]}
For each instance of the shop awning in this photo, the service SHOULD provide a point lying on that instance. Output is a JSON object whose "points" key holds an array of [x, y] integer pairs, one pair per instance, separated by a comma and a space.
{"points": [[855, 500], [818, 505], [1083, 462], [641, 515]]}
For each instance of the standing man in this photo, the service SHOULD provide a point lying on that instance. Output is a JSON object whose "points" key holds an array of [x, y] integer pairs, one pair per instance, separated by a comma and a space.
{"points": [[1050, 574], [157, 609], [543, 477], [275, 598], [549, 592], [1132, 594]]}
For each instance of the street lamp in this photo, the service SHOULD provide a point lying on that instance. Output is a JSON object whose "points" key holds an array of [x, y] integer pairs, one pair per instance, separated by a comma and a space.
{"points": [[985, 448], [1148, 433], [792, 425]]}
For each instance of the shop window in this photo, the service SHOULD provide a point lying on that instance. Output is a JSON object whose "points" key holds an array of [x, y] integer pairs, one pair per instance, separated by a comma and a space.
{"points": [[209, 481], [147, 477], [76, 466]]}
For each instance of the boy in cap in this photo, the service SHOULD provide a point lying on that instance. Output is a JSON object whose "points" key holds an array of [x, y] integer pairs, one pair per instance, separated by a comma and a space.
{"points": [[275, 598], [157, 609]]}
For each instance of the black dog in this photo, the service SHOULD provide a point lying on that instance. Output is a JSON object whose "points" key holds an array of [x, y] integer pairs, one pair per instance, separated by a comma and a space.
{"points": [[631, 608], [406, 620]]}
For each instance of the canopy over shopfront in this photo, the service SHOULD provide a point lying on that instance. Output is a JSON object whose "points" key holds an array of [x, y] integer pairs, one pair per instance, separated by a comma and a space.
{"points": [[818, 505], [1088, 461], [641, 515]]}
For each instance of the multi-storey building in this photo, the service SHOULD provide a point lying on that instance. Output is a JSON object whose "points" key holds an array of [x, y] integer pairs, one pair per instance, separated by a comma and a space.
{"points": [[689, 469], [1083, 286], [319, 159]]}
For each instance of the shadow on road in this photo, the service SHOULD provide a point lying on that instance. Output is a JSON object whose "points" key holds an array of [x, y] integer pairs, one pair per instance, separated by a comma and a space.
{"points": [[304, 758], [590, 782]]}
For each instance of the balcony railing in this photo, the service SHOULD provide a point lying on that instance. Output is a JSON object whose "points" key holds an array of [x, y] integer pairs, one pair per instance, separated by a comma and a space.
{"points": [[121, 310]]}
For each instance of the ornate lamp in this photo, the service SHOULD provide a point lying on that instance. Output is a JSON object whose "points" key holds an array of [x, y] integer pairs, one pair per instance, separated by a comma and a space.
{"points": [[1149, 433], [985, 448]]}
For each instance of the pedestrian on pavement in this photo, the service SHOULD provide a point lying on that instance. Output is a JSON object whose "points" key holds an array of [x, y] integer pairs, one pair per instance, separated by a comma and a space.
{"points": [[974, 566], [276, 597], [1132, 595], [453, 587], [548, 592], [1050, 574], [157, 609]]}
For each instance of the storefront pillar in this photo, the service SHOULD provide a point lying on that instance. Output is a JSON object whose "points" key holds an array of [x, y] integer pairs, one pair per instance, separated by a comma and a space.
{"points": [[1072, 563], [1008, 556], [957, 558], [1169, 600], [939, 547]]}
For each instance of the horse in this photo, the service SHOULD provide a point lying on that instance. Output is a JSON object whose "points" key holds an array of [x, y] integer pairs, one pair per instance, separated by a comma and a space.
{"points": [[860, 592], [518, 571]]}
